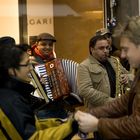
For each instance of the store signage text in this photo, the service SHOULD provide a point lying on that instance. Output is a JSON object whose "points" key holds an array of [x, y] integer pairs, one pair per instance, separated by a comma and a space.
{"points": [[39, 21]]}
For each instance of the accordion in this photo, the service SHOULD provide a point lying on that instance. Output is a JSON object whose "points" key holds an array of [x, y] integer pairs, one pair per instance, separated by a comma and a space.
{"points": [[55, 84]]}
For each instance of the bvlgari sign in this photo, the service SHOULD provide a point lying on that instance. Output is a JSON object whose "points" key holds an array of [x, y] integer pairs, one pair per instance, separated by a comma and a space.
{"points": [[40, 21]]}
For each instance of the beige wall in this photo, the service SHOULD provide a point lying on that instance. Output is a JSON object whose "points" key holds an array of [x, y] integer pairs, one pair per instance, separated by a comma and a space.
{"points": [[9, 21]]}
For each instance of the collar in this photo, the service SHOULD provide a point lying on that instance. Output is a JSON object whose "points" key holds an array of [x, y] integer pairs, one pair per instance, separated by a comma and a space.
{"points": [[21, 87]]}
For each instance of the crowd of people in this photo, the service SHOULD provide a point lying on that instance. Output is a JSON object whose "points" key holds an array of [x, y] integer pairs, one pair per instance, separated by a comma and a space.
{"points": [[109, 92], [18, 104]]}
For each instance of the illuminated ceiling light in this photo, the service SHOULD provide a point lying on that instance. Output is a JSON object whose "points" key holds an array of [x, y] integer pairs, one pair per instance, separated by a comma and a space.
{"points": [[94, 12]]}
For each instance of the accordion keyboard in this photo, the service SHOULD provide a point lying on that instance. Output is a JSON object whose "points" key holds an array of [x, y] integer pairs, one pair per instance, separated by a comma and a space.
{"points": [[41, 70]]}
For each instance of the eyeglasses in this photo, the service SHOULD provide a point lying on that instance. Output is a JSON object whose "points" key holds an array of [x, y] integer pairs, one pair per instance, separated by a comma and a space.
{"points": [[25, 65]]}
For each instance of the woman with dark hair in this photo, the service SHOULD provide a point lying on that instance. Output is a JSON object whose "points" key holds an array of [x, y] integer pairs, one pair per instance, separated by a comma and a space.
{"points": [[7, 41], [15, 100], [14, 88]]}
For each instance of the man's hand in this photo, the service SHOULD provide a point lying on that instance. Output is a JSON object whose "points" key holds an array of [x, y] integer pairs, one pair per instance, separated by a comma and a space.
{"points": [[33, 60], [87, 122], [124, 78]]}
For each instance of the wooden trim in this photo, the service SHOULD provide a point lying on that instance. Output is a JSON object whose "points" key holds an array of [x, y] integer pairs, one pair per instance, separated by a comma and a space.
{"points": [[22, 6]]}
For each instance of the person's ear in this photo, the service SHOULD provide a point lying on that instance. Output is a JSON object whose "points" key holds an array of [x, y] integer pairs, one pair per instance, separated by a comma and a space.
{"points": [[91, 49]]}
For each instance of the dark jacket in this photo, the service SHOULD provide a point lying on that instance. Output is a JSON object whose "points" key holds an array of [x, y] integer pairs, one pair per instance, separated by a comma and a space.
{"points": [[120, 119], [15, 102]]}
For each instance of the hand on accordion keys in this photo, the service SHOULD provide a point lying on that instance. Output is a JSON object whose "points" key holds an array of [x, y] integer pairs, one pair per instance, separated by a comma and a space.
{"points": [[43, 79], [33, 60]]}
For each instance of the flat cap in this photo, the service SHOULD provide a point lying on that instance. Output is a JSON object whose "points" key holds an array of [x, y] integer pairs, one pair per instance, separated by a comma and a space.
{"points": [[46, 36], [102, 31]]}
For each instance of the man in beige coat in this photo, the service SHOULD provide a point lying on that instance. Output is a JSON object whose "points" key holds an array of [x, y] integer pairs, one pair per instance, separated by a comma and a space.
{"points": [[96, 77]]}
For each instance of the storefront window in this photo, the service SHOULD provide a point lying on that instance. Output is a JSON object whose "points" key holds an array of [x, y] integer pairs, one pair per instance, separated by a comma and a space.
{"points": [[72, 22]]}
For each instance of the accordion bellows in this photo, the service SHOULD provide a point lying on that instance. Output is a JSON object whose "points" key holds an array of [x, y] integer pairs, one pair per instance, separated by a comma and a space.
{"points": [[55, 84]]}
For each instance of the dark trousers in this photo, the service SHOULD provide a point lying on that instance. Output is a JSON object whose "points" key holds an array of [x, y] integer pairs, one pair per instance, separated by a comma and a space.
{"points": [[97, 136], [52, 110]]}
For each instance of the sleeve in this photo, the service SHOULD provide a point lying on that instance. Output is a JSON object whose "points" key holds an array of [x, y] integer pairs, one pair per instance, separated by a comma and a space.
{"points": [[116, 108], [56, 132], [86, 89], [119, 125], [127, 127], [23, 120]]}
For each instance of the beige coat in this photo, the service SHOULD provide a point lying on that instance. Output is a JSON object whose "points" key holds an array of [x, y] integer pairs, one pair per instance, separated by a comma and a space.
{"points": [[93, 82]]}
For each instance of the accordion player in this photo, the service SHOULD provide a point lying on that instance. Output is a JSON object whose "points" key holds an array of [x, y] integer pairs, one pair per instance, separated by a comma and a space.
{"points": [[55, 84]]}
